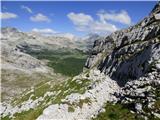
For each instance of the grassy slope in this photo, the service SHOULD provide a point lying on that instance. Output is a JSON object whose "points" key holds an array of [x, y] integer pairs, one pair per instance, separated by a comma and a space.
{"points": [[65, 61], [116, 112], [19, 81], [63, 89]]}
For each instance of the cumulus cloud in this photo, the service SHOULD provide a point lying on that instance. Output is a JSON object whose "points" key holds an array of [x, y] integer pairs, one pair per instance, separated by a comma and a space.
{"points": [[26, 8], [80, 18], [40, 18], [7, 15], [121, 17], [106, 21], [44, 31], [84, 22]]}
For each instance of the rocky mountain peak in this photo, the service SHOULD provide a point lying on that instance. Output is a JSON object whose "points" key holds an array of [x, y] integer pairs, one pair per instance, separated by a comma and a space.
{"points": [[9, 30], [129, 53], [156, 8], [131, 57]]}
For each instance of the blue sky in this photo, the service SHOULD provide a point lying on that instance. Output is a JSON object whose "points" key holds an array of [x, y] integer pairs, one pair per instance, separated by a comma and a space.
{"points": [[78, 18]]}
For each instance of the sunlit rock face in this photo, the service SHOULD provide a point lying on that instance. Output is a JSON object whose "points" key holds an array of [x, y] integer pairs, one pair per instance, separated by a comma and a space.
{"points": [[132, 58], [129, 53]]}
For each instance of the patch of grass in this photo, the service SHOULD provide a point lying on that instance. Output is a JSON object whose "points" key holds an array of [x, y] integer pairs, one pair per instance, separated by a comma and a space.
{"points": [[18, 101], [82, 101], [63, 89], [70, 109], [87, 75], [65, 61], [157, 92], [21, 82], [31, 114], [40, 91], [71, 86], [116, 112], [77, 104], [157, 105], [5, 118], [70, 66]]}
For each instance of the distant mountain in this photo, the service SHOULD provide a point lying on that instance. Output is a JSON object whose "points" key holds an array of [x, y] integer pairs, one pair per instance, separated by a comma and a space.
{"points": [[90, 38], [20, 70], [37, 39]]}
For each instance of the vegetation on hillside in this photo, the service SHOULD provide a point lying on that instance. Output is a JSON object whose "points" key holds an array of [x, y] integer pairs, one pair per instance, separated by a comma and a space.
{"points": [[61, 91], [65, 61], [116, 112]]}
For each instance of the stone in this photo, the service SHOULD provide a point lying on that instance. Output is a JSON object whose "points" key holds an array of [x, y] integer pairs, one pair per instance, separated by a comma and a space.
{"points": [[158, 66], [138, 107], [157, 16], [129, 53]]}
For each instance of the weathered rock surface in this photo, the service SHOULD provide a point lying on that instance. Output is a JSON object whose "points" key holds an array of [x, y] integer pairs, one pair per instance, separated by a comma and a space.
{"points": [[87, 105], [142, 95], [132, 58], [129, 53]]}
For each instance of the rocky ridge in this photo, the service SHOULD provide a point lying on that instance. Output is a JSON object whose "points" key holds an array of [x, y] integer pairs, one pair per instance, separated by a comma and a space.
{"points": [[132, 58], [86, 105], [129, 53]]}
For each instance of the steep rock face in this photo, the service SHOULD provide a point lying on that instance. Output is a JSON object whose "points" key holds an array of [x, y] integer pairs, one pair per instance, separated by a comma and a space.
{"points": [[142, 96], [132, 58], [129, 53]]}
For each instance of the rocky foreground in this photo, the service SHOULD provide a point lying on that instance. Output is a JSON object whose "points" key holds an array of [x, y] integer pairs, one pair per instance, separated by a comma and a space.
{"points": [[132, 58], [86, 105]]}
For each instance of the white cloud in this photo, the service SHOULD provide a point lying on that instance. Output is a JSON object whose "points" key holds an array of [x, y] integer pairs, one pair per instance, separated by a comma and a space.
{"points": [[40, 18], [44, 31], [7, 15], [121, 17], [26, 8], [80, 18], [84, 22]]}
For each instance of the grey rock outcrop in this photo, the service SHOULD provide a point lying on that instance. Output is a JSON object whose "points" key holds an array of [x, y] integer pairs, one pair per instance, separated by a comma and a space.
{"points": [[129, 53], [142, 95], [132, 58]]}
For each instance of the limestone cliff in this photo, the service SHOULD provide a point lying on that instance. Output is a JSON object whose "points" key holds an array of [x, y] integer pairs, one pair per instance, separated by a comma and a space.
{"points": [[129, 53]]}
